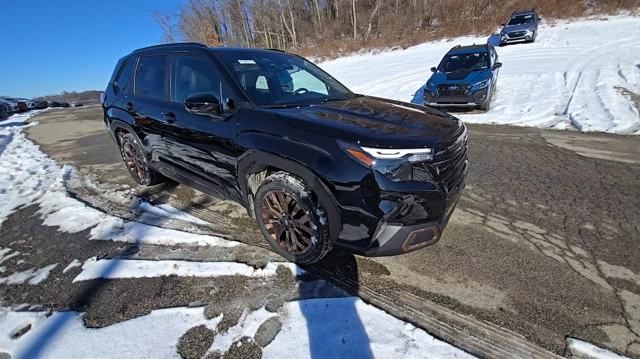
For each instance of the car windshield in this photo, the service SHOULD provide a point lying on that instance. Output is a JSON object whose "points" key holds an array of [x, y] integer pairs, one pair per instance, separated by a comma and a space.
{"points": [[522, 19], [464, 62], [274, 79]]}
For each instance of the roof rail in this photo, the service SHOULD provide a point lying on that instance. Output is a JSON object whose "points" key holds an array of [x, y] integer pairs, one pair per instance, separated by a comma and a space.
{"points": [[175, 44], [274, 49]]}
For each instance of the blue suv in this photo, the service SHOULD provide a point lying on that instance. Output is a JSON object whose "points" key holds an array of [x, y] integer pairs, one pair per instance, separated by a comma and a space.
{"points": [[466, 77], [521, 27]]}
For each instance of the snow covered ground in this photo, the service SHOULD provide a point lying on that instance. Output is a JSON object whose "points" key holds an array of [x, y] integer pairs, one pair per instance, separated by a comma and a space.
{"points": [[155, 335], [576, 75], [323, 327]]}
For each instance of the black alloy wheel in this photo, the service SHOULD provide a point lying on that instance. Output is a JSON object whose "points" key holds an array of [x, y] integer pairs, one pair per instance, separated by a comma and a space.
{"points": [[286, 222]]}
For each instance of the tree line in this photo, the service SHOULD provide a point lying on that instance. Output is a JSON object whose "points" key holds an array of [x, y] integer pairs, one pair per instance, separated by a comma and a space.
{"points": [[325, 27]]}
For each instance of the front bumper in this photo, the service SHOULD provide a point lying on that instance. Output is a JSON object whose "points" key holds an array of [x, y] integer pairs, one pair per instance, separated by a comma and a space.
{"points": [[393, 239], [470, 100], [505, 39]]}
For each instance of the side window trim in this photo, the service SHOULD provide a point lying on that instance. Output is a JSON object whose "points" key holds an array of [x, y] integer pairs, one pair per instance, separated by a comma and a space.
{"points": [[165, 77]]}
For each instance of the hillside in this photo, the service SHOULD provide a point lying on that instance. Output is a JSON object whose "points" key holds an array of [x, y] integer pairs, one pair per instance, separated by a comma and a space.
{"points": [[84, 97]]}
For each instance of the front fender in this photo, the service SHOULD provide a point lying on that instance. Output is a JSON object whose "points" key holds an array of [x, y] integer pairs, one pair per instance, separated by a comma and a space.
{"points": [[300, 159]]}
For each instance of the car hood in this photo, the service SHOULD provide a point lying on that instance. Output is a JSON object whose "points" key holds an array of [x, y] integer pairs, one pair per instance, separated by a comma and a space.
{"points": [[509, 28], [462, 77], [375, 122]]}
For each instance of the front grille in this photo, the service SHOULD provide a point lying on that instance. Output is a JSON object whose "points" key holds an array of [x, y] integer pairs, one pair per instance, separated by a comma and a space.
{"points": [[517, 33], [448, 166], [453, 90]]}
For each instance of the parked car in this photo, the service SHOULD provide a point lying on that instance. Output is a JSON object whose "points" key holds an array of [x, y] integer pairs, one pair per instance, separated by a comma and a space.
{"points": [[20, 103], [11, 103], [40, 104], [5, 109], [522, 26], [317, 165], [466, 77], [31, 105]]}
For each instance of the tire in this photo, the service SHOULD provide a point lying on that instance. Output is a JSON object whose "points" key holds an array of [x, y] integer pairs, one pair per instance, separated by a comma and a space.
{"points": [[291, 220], [487, 105], [135, 159]]}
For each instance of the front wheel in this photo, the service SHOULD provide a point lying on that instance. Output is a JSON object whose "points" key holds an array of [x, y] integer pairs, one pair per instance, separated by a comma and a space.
{"points": [[292, 221]]}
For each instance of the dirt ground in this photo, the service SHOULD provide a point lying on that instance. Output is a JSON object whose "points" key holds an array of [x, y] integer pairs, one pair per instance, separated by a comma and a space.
{"points": [[544, 241]]}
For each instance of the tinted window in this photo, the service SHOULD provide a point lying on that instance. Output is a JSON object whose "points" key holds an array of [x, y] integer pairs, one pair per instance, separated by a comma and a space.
{"points": [[464, 62], [193, 76], [123, 80], [522, 19], [274, 79], [150, 76]]}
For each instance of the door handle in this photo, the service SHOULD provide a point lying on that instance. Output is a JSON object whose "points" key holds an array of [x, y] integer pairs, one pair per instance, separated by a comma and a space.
{"points": [[170, 117], [129, 106]]}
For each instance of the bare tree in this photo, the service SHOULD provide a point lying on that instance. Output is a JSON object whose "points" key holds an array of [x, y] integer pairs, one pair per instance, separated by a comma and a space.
{"points": [[326, 26], [354, 19]]}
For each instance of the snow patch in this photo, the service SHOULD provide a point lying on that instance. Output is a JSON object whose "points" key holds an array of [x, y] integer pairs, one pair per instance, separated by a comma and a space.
{"points": [[128, 268], [584, 350], [155, 335], [32, 276], [115, 229], [169, 212], [5, 254], [74, 263]]}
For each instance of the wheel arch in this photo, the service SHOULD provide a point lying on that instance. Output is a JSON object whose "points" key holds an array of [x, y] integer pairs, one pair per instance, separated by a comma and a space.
{"points": [[255, 166]]}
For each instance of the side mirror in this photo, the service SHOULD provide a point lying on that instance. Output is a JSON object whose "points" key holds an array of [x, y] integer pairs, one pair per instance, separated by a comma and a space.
{"points": [[503, 24], [433, 69], [497, 65], [203, 105]]}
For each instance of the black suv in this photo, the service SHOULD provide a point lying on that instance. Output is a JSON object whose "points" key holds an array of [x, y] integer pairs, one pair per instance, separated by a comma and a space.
{"points": [[317, 165]]}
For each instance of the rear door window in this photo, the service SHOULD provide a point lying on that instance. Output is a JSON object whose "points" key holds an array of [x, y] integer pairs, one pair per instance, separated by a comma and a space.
{"points": [[123, 80], [150, 79]]}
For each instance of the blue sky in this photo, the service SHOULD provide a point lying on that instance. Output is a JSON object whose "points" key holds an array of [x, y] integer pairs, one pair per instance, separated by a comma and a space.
{"points": [[49, 46]]}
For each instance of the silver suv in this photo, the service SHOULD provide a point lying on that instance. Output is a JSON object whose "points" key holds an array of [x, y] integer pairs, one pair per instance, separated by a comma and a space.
{"points": [[521, 27]]}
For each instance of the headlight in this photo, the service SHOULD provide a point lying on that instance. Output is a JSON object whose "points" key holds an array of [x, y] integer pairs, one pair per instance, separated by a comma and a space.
{"points": [[482, 84], [395, 164]]}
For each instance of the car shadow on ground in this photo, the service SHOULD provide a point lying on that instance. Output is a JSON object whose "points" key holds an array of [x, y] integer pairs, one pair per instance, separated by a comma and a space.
{"points": [[322, 332]]}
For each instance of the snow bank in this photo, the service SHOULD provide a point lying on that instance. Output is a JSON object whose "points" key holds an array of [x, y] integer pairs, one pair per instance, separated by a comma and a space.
{"points": [[154, 335], [571, 77], [115, 229], [129, 268], [318, 328], [28, 176]]}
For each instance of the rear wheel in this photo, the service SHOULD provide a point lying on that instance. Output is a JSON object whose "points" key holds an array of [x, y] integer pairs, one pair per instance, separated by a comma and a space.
{"points": [[136, 161], [291, 219]]}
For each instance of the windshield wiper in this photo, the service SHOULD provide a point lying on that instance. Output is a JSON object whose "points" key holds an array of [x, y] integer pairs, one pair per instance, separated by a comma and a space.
{"points": [[285, 105], [331, 99]]}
